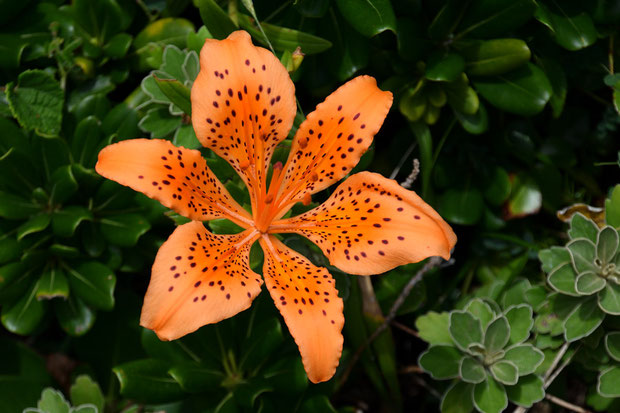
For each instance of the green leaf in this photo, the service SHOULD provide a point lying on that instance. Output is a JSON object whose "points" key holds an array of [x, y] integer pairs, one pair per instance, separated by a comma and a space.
{"points": [[118, 46], [24, 315], [588, 283], [176, 92], [15, 207], [215, 19], [461, 206], [505, 372], [124, 230], [283, 38], [86, 140], [63, 185], [458, 399], [553, 257], [607, 245], [369, 17], [557, 76], [497, 335], [525, 357], [609, 298], [159, 122], [528, 391], [94, 283], [494, 57], [612, 345], [168, 30], [471, 371], [65, 221], [462, 97], [494, 18], [583, 253], [525, 198], [434, 328], [612, 207], [413, 103], [563, 278], [148, 381], [583, 320], [35, 224], [444, 67], [582, 227], [52, 401], [36, 102], [570, 28], [441, 362], [524, 91], [481, 310], [196, 379], [498, 187], [74, 316], [195, 41], [53, 283], [608, 382], [465, 329], [84, 390], [520, 319], [490, 396]]}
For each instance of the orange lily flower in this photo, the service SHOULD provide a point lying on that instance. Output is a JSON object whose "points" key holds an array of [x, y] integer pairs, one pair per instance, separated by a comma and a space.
{"points": [[243, 106]]}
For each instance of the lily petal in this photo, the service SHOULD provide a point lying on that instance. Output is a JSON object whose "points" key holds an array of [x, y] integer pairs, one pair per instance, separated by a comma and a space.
{"points": [[199, 278], [177, 177], [243, 105], [307, 298], [370, 224], [330, 142]]}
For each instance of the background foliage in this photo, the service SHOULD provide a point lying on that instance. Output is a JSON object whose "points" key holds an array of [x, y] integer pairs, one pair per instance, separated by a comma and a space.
{"points": [[511, 108]]}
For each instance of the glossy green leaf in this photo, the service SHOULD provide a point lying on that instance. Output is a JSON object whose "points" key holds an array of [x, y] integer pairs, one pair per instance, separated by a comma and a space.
{"points": [[520, 319], [24, 315], [462, 97], [609, 298], [572, 29], [124, 230], [607, 244], [94, 283], [461, 206], [588, 283], [498, 189], [148, 380], [63, 185], [495, 57], [608, 382], [471, 371], [525, 198], [444, 67], [283, 38], [35, 224], [195, 378], [369, 17], [441, 362], [497, 335], [525, 357], [465, 329], [434, 328], [118, 46], [528, 391], [84, 390], [86, 140], [583, 320], [195, 41], [413, 103], [505, 372], [160, 123], [15, 207], [524, 91], [53, 283], [490, 396], [215, 19], [165, 31], [494, 18], [67, 220], [475, 124], [556, 74], [36, 102], [583, 253], [176, 92], [74, 316], [458, 399]]}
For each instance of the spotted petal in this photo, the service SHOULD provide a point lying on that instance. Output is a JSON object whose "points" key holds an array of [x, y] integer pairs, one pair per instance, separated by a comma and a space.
{"points": [[308, 300], [243, 105], [330, 142], [371, 224], [199, 278], [177, 177]]}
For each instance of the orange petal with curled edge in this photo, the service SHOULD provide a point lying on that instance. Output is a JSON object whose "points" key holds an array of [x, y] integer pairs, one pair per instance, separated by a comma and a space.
{"points": [[370, 224], [243, 104], [199, 278], [177, 177], [307, 298], [330, 142]]}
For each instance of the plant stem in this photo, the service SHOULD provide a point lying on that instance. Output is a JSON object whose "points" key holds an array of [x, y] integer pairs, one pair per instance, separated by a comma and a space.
{"points": [[565, 404]]}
